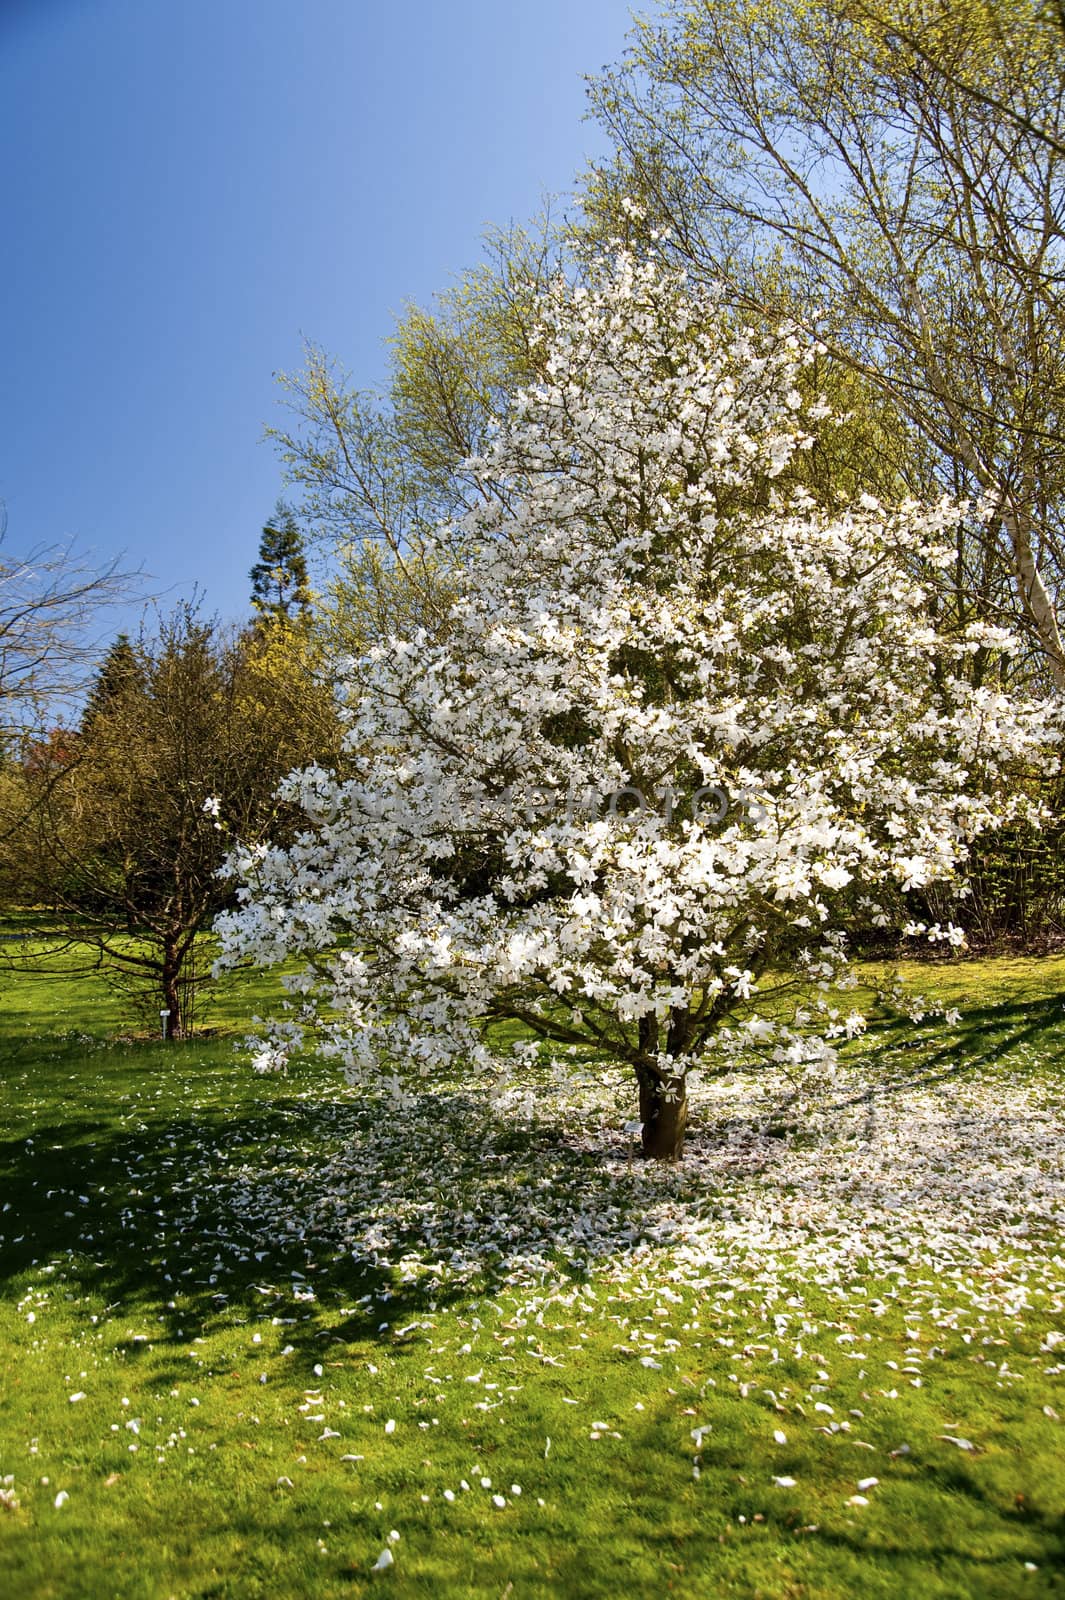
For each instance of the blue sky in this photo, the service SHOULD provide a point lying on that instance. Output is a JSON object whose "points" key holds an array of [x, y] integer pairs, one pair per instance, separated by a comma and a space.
{"points": [[190, 189]]}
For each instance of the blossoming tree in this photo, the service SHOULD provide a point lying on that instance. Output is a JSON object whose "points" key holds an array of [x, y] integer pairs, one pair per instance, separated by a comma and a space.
{"points": [[681, 730]]}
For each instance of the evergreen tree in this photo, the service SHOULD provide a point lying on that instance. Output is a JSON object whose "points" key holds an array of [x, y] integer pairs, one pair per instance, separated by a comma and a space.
{"points": [[118, 676], [280, 587]]}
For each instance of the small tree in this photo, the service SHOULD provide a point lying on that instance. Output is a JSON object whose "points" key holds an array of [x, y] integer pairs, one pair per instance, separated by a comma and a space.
{"points": [[117, 844], [681, 733], [280, 586]]}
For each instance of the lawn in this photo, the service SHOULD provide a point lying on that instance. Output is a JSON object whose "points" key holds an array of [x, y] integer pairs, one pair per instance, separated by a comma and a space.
{"points": [[264, 1338]]}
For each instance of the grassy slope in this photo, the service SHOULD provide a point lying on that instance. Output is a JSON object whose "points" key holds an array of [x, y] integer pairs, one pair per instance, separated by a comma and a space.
{"points": [[156, 1258]]}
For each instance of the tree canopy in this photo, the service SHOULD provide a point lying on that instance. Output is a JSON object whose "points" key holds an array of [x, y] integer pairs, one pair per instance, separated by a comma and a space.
{"points": [[891, 178]]}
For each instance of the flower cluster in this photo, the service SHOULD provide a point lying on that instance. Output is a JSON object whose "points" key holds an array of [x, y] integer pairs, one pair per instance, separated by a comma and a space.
{"points": [[641, 604]]}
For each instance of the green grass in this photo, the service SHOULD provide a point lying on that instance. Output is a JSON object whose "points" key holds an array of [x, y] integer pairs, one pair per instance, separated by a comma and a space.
{"points": [[262, 1274]]}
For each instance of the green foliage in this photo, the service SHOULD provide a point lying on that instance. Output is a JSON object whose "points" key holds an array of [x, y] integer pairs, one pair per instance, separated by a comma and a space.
{"points": [[113, 842], [891, 179], [1015, 883], [280, 585], [381, 474], [119, 676]]}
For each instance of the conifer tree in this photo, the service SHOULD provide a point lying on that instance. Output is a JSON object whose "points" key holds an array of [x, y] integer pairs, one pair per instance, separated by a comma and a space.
{"points": [[280, 586], [119, 674]]}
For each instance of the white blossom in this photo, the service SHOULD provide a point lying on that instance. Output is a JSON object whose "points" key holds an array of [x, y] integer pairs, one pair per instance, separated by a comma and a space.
{"points": [[639, 613]]}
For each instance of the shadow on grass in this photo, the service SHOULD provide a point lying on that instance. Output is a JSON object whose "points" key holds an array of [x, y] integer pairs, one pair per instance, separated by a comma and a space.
{"points": [[257, 1196], [143, 1217], [946, 1533], [979, 1042], [220, 1213]]}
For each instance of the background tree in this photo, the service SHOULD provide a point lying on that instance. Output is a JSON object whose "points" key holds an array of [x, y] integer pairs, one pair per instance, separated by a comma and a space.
{"points": [[894, 182], [280, 586], [118, 676], [118, 851], [51, 603], [380, 473], [942, 37]]}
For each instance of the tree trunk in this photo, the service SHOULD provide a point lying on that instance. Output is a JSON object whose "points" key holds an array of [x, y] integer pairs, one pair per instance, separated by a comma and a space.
{"points": [[1034, 595], [171, 993], [663, 1113]]}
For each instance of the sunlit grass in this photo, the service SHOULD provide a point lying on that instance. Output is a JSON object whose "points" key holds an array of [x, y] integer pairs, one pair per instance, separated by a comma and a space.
{"points": [[248, 1279]]}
